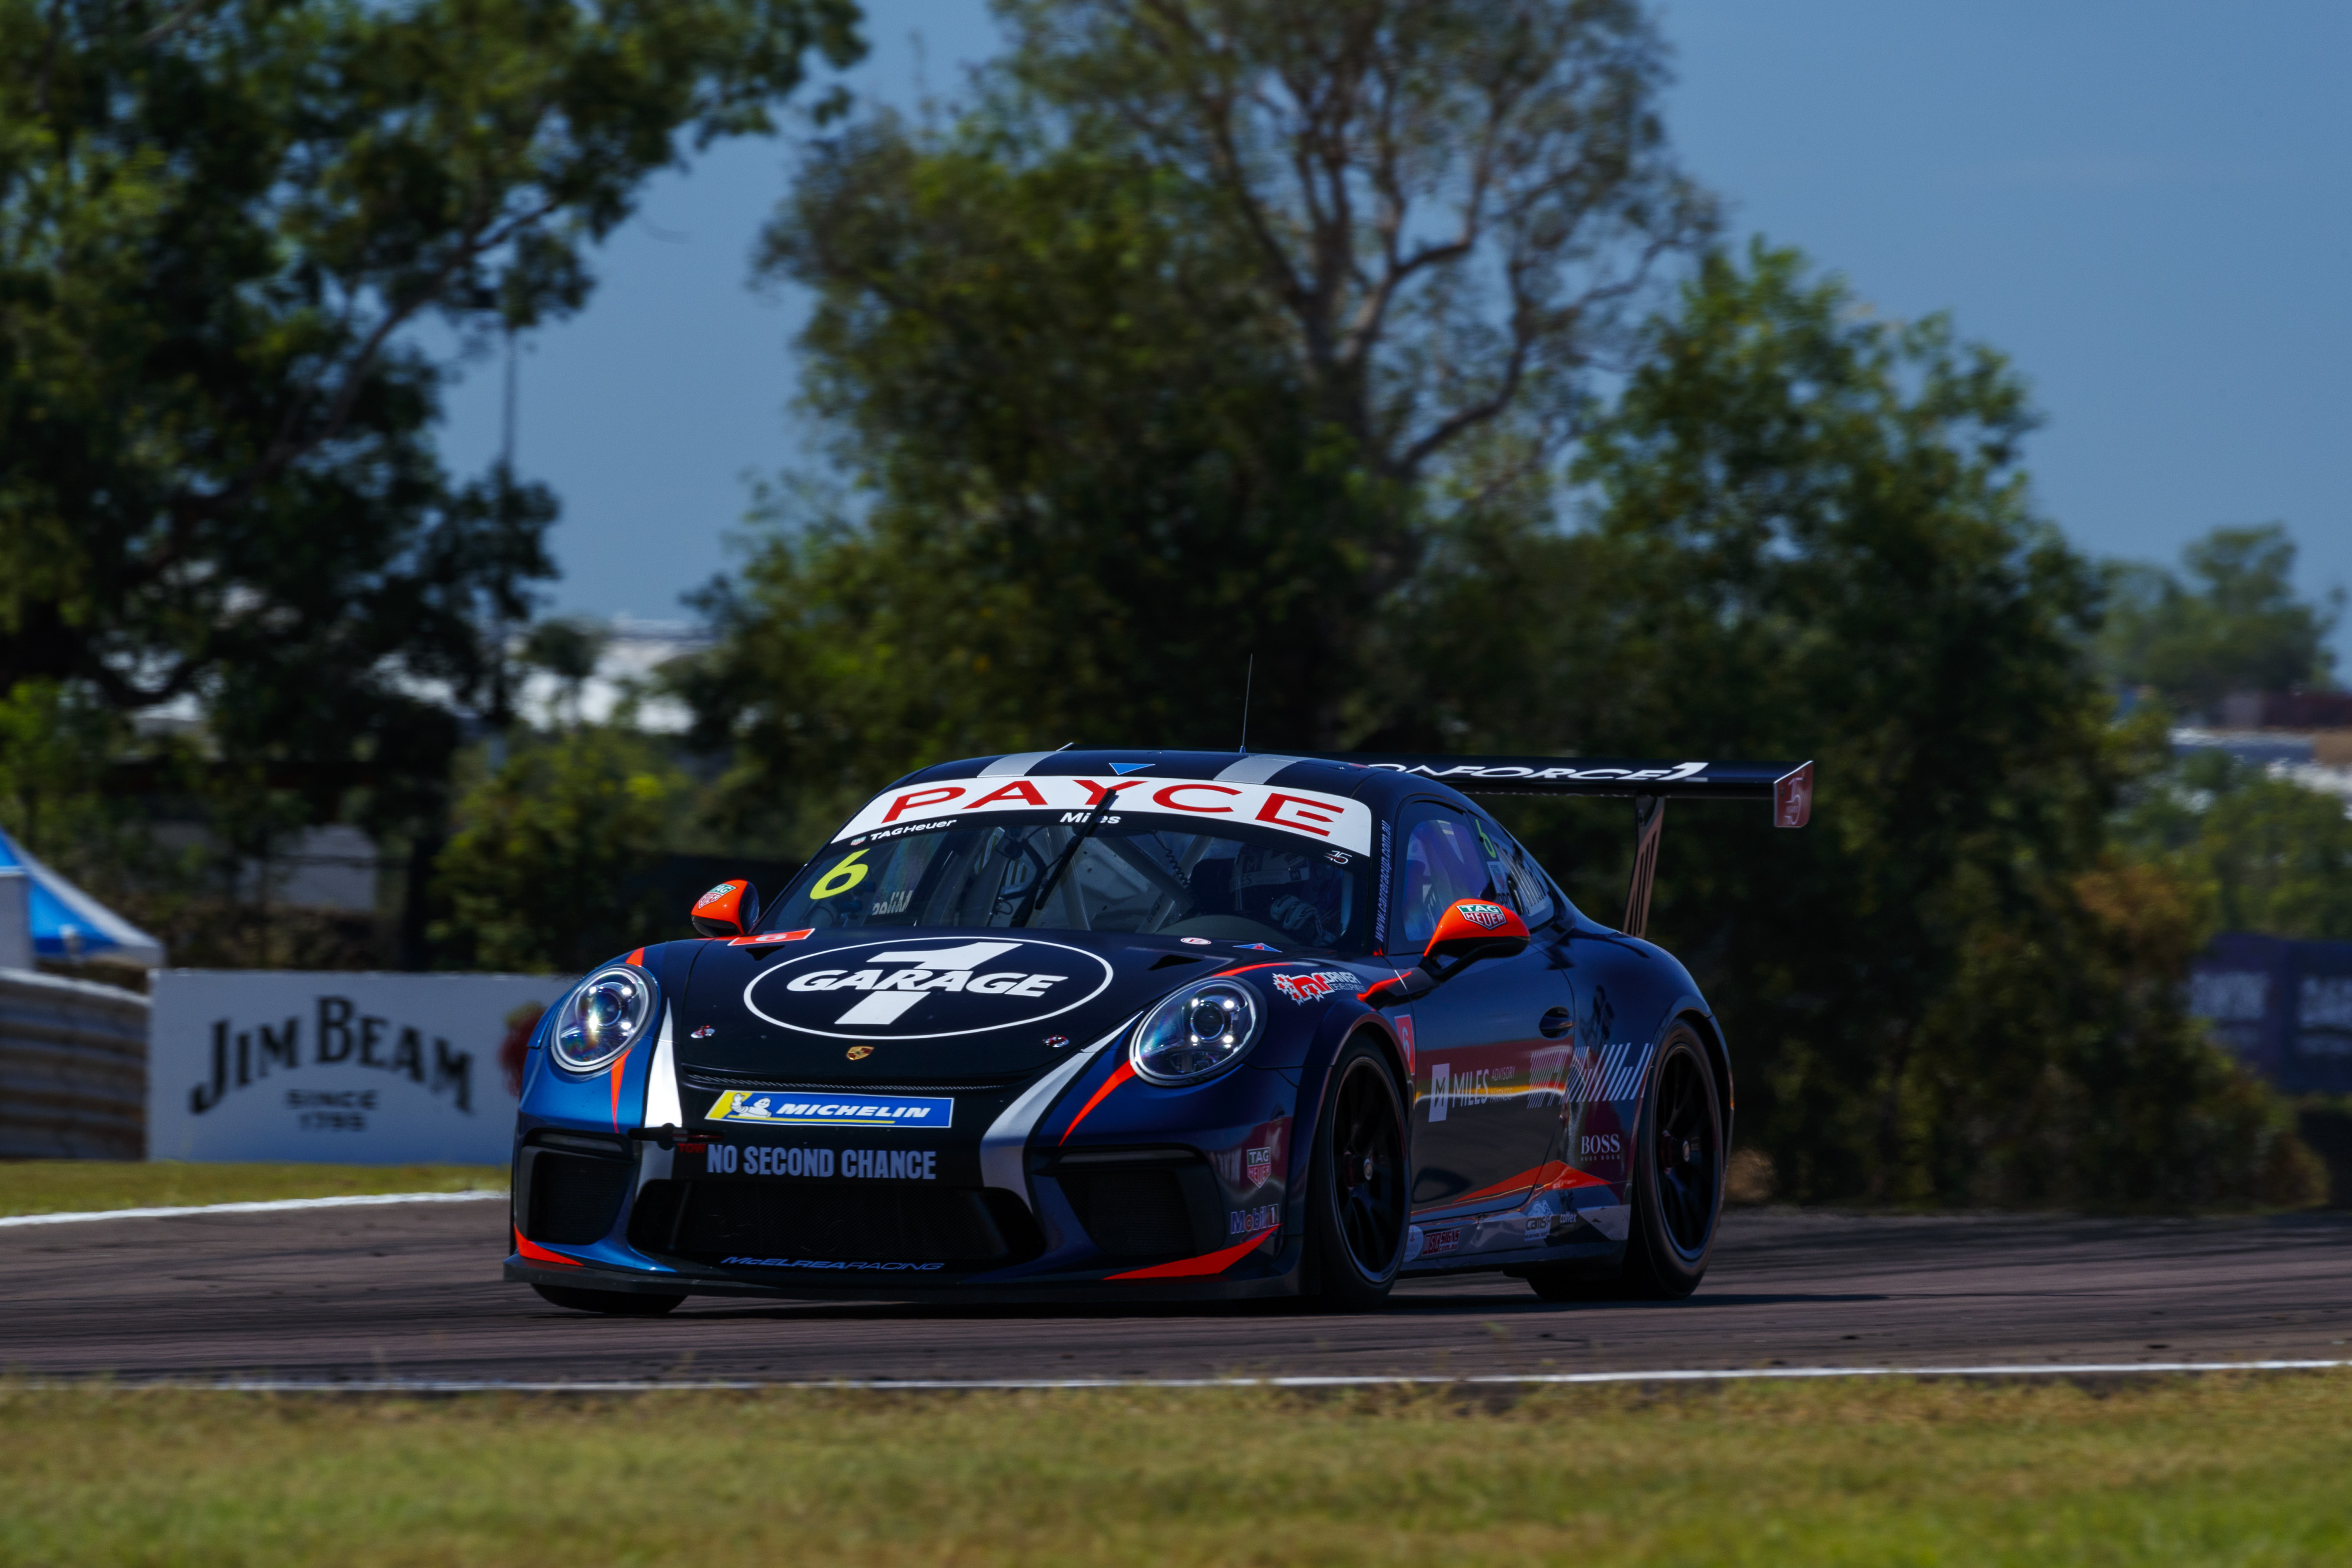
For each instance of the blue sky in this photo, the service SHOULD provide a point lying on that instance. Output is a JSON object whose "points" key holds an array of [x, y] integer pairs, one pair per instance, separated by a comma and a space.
{"points": [[2146, 205]]}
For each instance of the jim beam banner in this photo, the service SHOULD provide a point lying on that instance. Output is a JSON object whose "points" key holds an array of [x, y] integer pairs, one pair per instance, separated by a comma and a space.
{"points": [[367, 1068]]}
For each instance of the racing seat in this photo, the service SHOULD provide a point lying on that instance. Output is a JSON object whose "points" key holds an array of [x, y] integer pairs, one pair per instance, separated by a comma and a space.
{"points": [[1213, 887]]}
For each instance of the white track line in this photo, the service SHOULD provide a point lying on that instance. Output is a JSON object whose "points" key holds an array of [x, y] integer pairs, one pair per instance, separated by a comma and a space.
{"points": [[888, 1385], [274, 1205]]}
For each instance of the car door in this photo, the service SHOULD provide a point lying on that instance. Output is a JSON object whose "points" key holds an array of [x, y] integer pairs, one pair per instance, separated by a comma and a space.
{"points": [[1484, 1119], [1552, 1066]]}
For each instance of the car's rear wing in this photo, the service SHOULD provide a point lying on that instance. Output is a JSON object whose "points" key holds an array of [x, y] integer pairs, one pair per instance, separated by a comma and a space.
{"points": [[1651, 783]]}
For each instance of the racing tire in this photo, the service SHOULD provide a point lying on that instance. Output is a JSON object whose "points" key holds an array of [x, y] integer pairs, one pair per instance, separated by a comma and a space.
{"points": [[1677, 1178], [1678, 1174], [1356, 1185], [612, 1304]]}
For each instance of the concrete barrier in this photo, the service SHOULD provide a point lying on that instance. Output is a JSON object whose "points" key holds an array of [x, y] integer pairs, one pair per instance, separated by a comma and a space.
{"points": [[73, 1069]]}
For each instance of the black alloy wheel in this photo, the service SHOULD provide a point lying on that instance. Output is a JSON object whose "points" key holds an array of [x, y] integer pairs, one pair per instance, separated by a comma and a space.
{"points": [[1356, 1196], [1677, 1181], [1678, 1175], [1685, 1135], [612, 1304]]}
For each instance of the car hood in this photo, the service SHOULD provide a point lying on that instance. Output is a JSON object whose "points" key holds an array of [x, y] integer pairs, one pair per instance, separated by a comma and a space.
{"points": [[972, 1007]]}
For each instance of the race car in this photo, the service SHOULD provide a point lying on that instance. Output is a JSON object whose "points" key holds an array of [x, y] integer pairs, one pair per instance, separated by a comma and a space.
{"points": [[1116, 1025]]}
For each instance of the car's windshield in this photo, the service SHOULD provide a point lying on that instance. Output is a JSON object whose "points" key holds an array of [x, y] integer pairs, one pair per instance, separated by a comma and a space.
{"points": [[1045, 870]]}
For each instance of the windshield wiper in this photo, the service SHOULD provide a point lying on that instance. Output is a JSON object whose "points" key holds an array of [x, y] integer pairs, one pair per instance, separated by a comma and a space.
{"points": [[1062, 862]]}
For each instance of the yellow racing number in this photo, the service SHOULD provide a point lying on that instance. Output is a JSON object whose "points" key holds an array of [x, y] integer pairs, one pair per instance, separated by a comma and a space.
{"points": [[846, 874]]}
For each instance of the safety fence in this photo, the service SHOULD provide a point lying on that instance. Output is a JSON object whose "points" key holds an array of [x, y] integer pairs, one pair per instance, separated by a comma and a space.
{"points": [[73, 1069]]}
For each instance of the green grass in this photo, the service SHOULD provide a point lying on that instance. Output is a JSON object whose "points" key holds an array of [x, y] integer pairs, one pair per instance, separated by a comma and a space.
{"points": [[67, 1187], [2236, 1469]]}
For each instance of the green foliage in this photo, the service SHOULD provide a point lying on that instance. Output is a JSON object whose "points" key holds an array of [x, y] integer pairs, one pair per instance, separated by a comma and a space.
{"points": [[218, 227], [1449, 203], [80, 1186], [55, 742], [2235, 626], [2217, 1471], [1140, 374], [546, 869], [1811, 539], [1094, 488], [1137, 370], [2271, 856]]}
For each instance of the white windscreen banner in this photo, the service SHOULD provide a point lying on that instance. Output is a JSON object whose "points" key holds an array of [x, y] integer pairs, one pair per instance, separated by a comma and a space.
{"points": [[1326, 819], [362, 1069]]}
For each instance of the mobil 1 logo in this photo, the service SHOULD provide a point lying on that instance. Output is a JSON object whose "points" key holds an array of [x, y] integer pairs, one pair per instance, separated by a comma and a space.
{"points": [[926, 987]]}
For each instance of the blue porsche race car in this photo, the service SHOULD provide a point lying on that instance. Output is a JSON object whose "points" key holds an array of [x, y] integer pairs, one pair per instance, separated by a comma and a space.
{"points": [[1099, 1025]]}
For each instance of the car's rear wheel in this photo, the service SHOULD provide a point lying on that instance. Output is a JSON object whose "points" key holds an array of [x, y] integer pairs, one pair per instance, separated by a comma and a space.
{"points": [[612, 1304], [1677, 1180], [1356, 1185], [1678, 1174]]}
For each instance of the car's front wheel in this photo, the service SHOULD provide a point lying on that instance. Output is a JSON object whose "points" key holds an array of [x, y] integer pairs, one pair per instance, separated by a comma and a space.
{"points": [[612, 1304], [1357, 1185]]}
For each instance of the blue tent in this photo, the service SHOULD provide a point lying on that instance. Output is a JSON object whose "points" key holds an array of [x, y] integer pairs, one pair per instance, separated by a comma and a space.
{"points": [[68, 924]]}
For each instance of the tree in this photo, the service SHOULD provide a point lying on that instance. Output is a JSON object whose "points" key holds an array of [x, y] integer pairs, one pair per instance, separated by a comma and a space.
{"points": [[2237, 625], [2269, 855], [218, 226], [1810, 539], [1176, 350], [1100, 453], [1447, 201], [1093, 490], [546, 871]]}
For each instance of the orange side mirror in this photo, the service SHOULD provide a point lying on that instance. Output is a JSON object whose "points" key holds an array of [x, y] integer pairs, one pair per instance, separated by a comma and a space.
{"points": [[1475, 928], [731, 909]]}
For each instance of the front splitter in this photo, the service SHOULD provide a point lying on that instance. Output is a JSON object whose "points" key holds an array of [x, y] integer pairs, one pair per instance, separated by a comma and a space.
{"points": [[883, 1287]]}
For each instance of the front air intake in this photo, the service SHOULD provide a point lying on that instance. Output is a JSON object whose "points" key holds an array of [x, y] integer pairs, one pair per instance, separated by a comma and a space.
{"points": [[765, 1224], [1131, 1213], [573, 1199]]}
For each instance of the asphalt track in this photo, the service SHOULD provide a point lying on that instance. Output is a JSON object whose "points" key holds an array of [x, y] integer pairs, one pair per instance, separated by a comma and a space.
{"points": [[413, 1292]]}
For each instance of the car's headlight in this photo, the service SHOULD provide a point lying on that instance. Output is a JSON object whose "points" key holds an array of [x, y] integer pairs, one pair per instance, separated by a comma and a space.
{"points": [[1200, 1028], [602, 1019]]}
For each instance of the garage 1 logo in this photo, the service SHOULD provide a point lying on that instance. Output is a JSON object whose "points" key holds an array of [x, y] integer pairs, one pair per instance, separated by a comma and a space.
{"points": [[926, 989]]}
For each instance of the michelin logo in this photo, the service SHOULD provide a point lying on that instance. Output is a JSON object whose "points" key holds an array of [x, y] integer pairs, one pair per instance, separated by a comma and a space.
{"points": [[772, 1110]]}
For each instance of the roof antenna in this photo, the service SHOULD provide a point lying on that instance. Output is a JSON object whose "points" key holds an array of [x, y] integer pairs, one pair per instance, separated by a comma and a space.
{"points": [[1249, 672]]}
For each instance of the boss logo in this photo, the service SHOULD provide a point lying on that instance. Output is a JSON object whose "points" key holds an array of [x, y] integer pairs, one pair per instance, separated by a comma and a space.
{"points": [[1602, 1145]]}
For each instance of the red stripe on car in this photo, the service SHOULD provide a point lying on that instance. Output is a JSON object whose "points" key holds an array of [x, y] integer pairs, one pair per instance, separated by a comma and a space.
{"points": [[1216, 1262], [1125, 1071], [538, 1254]]}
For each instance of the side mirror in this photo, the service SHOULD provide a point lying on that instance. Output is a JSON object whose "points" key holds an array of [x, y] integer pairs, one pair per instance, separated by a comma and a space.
{"points": [[731, 909], [1474, 928]]}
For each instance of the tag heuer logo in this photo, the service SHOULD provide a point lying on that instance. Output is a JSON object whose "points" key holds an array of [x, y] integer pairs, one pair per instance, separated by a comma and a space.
{"points": [[926, 987], [1486, 914], [1258, 1166]]}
